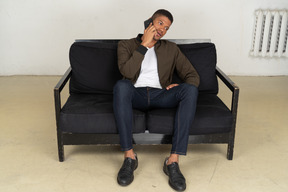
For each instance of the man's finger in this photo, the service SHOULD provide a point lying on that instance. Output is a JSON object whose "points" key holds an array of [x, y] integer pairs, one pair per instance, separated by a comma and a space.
{"points": [[171, 86]]}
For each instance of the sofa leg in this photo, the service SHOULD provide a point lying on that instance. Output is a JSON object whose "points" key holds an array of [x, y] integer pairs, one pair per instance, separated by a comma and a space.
{"points": [[61, 153], [60, 147], [230, 151]]}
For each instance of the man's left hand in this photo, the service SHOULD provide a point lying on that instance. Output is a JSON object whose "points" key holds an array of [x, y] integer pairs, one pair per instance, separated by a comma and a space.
{"points": [[171, 86]]}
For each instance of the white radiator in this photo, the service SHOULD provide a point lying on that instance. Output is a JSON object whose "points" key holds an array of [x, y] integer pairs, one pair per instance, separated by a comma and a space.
{"points": [[270, 33]]}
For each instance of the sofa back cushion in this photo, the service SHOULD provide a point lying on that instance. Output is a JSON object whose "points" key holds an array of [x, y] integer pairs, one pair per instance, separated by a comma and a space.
{"points": [[95, 70], [94, 67], [203, 58]]}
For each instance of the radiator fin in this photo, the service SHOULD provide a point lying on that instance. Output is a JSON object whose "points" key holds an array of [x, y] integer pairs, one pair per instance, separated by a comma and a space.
{"points": [[270, 34]]}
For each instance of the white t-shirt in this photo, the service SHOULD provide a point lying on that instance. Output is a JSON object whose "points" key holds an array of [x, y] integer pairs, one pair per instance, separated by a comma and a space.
{"points": [[148, 76]]}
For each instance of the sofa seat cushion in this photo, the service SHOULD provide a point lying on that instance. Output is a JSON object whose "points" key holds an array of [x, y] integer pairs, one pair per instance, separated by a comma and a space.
{"points": [[93, 113], [212, 116]]}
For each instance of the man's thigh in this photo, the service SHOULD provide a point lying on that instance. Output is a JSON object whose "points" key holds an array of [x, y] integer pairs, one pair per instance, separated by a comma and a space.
{"points": [[140, 99], [171, 98], [166, 98], [146, 98]]}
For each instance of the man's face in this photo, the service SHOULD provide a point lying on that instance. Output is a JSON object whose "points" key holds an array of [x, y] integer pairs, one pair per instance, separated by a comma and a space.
{"points": [[162, 24]]}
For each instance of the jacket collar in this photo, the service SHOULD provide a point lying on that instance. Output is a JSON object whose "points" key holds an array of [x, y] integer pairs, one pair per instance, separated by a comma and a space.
{"points": [[139, 36]]}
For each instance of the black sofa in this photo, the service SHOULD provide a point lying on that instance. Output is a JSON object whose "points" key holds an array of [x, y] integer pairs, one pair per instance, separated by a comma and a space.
{"points": [[87, 116]]}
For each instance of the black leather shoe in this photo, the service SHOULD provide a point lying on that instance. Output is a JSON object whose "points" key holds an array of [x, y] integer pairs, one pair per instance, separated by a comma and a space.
{"points": [[125, 174], [176, 179]]}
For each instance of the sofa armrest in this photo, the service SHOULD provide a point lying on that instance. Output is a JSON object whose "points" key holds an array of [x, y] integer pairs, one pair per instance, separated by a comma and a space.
{"points": [[232, 86], [62, 82], [228, 82], [57, 90], [234, 106]]}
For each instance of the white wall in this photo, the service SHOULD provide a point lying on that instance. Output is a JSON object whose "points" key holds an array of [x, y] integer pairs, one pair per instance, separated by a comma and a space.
{"points": [[35, 36]]}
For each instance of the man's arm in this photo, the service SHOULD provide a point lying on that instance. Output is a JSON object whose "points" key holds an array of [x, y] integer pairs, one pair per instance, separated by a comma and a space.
{"points": [[130, 59], [185, 69]]}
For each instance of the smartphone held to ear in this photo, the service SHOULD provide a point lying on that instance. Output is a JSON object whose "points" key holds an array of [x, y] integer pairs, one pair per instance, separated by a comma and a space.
{"points": [[147, 23]]}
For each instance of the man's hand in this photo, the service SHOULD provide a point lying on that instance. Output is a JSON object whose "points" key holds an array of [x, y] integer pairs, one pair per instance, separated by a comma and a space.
{"points": [[171, 86], [148, 36]]}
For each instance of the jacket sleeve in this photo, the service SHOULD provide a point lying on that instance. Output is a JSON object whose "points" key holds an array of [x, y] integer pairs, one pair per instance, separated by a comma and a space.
{"points": [[130, 59], [185, 69]]}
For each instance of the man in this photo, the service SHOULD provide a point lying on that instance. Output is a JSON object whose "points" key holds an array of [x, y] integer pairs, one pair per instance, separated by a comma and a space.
{"points": [[147, 65]]}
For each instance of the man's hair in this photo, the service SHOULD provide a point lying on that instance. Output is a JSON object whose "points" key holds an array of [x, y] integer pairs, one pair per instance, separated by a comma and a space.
{"points": [[164, 13]]}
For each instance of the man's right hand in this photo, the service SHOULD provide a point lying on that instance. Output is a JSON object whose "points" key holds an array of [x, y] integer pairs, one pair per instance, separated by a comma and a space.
{"points": [[148, 36]]}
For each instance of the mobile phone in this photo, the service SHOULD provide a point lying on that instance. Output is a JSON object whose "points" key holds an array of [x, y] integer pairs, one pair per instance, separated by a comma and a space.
{"points": [[147, 23]]}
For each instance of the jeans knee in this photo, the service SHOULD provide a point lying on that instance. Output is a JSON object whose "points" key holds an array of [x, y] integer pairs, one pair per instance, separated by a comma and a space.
{"points": [[190, 89], [122, 85], [123, 88]]}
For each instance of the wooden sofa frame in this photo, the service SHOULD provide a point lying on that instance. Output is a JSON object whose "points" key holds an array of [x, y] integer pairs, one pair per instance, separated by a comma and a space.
{"points": [[144, 138]]}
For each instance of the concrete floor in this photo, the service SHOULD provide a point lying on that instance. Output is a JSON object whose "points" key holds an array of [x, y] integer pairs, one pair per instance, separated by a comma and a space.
{"points": [[29, 161]]}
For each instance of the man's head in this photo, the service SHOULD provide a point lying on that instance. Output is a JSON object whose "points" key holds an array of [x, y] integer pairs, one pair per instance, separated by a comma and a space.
{"points": [[162, 20], [163, 12]]}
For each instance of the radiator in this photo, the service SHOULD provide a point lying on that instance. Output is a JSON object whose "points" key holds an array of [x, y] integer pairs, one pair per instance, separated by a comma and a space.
{"points": [[270, 33]]}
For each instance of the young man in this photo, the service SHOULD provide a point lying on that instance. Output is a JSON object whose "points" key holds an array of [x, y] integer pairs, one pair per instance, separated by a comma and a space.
{"points": [[147, 65]]}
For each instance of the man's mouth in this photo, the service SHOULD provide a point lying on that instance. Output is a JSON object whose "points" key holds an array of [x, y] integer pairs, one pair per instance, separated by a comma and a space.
{"points": [[158, 34]]}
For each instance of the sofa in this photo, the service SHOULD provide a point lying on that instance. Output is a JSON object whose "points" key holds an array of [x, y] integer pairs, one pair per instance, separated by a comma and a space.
{"points": [[86, 117]]}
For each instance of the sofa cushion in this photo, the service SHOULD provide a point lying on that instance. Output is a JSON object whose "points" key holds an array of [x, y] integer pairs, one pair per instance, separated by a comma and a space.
{"points": [[203, 58], [93, 113], [95, 70], [212, 116], [94, 67]]}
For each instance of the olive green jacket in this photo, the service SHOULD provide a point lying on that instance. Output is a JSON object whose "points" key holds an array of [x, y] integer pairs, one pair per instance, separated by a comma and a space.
{"points": [[131, 54]]}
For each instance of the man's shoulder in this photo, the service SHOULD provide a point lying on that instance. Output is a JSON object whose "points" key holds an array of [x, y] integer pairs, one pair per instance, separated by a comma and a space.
{"points": [[168, 43], [127, 42], [132, 40]]}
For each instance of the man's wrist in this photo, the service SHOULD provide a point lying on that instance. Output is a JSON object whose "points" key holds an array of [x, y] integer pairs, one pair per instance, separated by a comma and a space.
{"points": [[144, 44], [142, 49]]}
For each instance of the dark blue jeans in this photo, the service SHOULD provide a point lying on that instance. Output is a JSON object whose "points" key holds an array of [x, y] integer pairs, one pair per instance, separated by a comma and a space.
{"points": [[127, 97]]}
